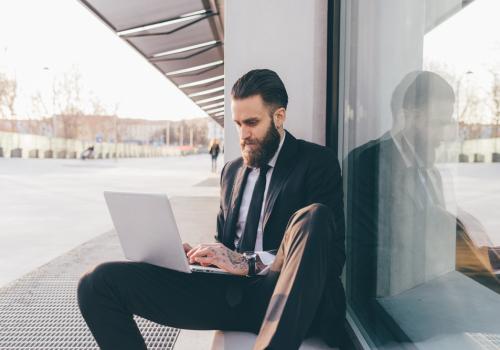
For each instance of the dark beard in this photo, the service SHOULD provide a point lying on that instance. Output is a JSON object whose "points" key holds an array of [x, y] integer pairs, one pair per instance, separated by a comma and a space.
{"points": [[265, 149]]}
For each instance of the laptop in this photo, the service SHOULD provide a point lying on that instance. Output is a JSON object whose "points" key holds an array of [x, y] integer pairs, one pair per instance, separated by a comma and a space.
{"points": [[148, 232]]}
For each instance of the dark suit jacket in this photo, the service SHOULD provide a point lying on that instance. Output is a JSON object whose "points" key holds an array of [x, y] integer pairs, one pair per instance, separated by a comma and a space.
{"points": [[305, 173]]}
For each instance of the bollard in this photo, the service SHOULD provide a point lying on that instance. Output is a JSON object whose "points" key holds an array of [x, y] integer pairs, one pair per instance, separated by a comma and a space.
{"points": [[34, 153], [495, 157], [463, 158], [99, 156], [1, 152], [16, 153], [478, 158], [48, 154], [72, 155], [61, 154]]}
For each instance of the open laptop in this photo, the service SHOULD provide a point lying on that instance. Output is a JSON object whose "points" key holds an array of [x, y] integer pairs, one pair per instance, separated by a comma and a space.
{"points": [[148, 232]]}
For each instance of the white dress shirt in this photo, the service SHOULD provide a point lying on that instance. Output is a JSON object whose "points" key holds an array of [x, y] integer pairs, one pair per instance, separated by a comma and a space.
{"points": [[266, 257]]}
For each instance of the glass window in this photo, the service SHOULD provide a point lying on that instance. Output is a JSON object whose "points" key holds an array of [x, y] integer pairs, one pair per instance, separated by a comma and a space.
{"points": [[420, 143]]}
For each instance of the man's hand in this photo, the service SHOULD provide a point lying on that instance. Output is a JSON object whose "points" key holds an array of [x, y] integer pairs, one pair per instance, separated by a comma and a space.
{"points": [[219, 255], [187, 247]]}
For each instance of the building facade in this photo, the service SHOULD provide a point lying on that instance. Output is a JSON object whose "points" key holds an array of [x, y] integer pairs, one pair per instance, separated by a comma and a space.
{"points": [[394, 87]]}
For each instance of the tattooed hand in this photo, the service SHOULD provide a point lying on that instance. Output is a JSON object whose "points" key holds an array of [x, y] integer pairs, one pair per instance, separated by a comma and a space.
{"points": [[219, 255]]}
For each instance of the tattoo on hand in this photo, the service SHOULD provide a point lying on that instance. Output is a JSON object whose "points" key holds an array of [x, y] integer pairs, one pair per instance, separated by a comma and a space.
{"points": [[236, 259]]}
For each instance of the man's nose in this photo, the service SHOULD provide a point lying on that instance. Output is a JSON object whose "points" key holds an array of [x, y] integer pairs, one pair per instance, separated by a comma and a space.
{"points": [[244, 133]]}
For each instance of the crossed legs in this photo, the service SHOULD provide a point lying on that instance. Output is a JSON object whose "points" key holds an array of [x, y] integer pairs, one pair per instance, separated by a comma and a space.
{"points": [[280, 307]]}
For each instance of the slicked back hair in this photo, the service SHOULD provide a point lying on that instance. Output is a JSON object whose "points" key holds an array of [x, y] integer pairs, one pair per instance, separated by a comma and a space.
{"points": [[263, 82]]}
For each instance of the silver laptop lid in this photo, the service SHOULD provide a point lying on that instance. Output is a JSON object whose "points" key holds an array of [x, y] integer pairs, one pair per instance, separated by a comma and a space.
{"points": [[147, 230]]}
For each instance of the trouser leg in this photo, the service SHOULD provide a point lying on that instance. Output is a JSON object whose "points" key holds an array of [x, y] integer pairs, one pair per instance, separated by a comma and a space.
{"points": [[112, 293], [301, 267]]}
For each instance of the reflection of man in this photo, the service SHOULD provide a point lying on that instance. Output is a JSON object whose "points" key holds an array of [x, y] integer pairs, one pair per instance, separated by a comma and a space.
{"points": [[283, 197], [401, 234]]}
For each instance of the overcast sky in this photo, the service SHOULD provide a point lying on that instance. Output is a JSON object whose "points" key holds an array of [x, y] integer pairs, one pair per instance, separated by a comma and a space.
{"points": [[61, 34], [469, 40], [467, 46]]}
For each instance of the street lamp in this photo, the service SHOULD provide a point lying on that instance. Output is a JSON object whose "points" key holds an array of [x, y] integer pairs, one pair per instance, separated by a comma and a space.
{"points": [[462, 156], [52, 112]]}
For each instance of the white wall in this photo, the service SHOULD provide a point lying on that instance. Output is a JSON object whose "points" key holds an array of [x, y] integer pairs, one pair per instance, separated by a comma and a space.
{"points": [[289, 37]]}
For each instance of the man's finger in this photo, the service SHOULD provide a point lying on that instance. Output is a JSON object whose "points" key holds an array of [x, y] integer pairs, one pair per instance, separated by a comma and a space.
{"points": [[194, 250], [201, 246], [203, 252], [187, 247], [207, 260], [207, 251]]}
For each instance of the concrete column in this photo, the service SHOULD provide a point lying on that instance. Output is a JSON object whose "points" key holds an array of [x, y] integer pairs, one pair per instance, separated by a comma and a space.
{"points": [[300, 62], [168, 134], [181, 136]]}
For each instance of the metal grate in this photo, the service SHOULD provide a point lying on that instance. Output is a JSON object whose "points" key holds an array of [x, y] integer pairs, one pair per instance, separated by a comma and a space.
{"points": [[40, 311], [486, 340]]}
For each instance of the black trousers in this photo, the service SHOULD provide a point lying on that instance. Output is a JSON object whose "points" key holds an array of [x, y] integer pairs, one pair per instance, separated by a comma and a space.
{"points": [[282, 307]]}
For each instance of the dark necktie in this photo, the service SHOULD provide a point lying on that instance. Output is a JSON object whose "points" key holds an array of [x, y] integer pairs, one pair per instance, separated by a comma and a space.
{"points": [[247, 240]]}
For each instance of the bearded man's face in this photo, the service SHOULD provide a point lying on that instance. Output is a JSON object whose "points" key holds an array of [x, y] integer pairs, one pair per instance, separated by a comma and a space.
{"points": [[259, 138]]}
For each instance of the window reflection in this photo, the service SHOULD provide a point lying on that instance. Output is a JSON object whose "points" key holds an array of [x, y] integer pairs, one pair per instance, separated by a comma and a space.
{"points": [[402, 234], [421, 169]]}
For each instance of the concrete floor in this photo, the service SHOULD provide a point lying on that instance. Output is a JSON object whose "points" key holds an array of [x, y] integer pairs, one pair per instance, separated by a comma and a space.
{"points": [[51, 206], [477, 191]]}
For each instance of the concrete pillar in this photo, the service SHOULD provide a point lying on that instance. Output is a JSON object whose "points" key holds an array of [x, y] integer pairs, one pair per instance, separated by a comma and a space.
{"points": [[181, 136], [301, 62], [168, 134]]}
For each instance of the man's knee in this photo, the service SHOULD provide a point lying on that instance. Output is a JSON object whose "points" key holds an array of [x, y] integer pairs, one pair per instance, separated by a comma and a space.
{"points": [[318, 210], [92, 283], [316, 217]]}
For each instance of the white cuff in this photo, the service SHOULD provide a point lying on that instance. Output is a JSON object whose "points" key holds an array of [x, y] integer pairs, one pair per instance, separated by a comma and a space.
{"points": [[267, 259]]}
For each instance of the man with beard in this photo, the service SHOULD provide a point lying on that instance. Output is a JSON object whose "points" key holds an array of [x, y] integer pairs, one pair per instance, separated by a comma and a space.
{"points": [[280, 233]]}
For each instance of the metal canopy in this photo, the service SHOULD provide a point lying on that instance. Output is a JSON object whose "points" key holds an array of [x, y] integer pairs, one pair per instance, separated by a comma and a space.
{"points": [[183, 39]]}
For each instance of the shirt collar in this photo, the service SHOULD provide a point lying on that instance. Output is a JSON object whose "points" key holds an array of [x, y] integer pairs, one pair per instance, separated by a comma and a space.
{"points": [[272, 161], [407, 150]]}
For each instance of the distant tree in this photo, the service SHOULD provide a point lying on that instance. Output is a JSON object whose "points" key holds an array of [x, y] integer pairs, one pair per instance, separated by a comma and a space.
{"points": [[67, 93], [467, 99], [495, 103], [97, 106], [8, 95], [38, 105]]}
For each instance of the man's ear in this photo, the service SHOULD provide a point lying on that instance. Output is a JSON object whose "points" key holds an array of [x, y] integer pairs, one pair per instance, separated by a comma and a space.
{"points": [[279, 117]]}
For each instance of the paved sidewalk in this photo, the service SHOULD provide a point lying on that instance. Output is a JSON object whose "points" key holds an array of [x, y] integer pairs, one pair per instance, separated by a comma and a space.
{"points": [[50, 206], [39, 310]]}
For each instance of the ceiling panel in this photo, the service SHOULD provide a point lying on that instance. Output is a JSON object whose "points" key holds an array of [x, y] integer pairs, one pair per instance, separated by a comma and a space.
{"points": [[197, 33], [153, 27], [198, 75], [125, 14], [198, 58]]}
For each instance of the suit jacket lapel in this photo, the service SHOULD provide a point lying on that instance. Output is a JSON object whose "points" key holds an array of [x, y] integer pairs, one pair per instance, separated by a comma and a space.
{"points": [[283, 168], [234, 208]]}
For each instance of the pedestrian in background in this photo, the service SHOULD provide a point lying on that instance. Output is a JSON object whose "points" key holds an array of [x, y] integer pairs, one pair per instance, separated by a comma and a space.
{"points": [[214, 150]]}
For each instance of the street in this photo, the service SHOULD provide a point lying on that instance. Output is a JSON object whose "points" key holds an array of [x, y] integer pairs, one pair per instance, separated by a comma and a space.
{"points": [[51, 206]]}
